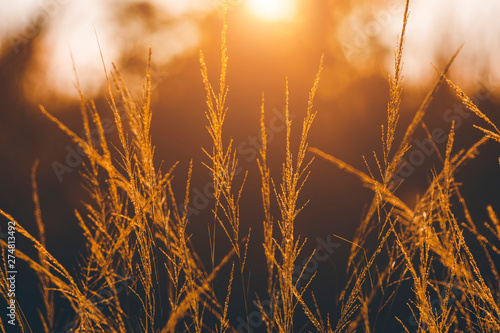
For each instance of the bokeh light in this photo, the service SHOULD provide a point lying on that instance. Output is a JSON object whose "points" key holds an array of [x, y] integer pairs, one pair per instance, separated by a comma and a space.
{"points": [[273, 10]]}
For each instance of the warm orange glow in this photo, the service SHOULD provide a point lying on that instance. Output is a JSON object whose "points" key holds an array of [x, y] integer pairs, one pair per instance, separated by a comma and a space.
{"points": [[273, 10]]}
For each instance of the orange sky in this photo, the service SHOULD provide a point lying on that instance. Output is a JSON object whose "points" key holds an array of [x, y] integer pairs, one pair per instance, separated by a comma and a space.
{"points": [[361, 34]]}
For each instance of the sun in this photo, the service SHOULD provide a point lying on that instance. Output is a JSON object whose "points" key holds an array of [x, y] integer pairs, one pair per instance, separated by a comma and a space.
{"points": [[273, 10]]}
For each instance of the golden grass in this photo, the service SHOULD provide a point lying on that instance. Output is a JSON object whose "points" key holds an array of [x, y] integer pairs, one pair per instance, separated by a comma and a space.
{"points": [[138, 241]]}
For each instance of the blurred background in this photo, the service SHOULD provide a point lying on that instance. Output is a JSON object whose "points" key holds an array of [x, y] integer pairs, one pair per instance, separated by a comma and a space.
{"points": [[43, 43]]}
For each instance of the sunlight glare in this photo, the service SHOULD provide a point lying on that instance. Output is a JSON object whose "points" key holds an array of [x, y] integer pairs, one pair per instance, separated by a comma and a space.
{"points": [[273, 10]]}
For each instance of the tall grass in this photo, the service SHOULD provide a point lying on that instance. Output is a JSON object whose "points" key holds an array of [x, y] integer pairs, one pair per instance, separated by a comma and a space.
{"points": [[141, 273]]}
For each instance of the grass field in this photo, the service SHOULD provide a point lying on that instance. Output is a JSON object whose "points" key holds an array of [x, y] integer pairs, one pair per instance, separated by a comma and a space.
{"points": [[141, 271]]}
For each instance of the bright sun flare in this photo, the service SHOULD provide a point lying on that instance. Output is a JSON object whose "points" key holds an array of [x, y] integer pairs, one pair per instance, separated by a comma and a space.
{"points": [[272, 10]]}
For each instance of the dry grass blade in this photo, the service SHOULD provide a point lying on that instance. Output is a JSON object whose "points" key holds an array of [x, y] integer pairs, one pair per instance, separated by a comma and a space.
{"points": [[192, 296], [395, 90], [47, 295]]}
